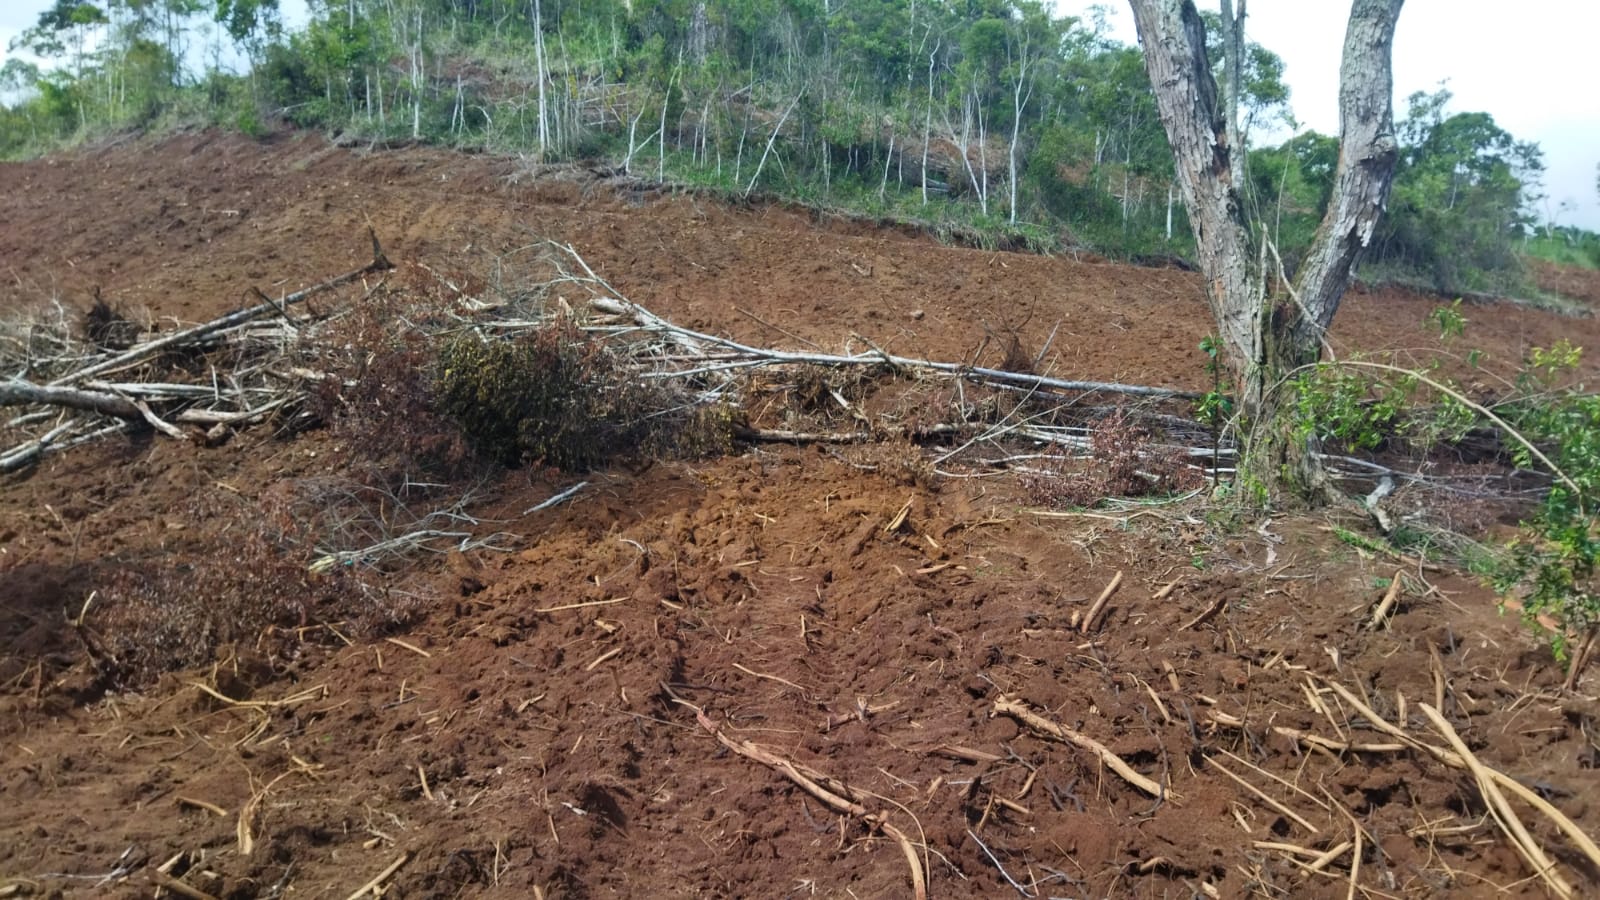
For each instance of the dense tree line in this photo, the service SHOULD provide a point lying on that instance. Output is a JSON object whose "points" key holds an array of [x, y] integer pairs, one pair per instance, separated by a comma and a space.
{"points": [[996, 114]]}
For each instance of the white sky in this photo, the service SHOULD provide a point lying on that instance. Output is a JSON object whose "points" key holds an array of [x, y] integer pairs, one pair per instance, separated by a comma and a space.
{"points": [[1531, 65]]}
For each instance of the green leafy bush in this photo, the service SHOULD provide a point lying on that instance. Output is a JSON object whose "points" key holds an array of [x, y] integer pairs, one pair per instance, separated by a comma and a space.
{"points": [[1551, 423], [1556, 557]]}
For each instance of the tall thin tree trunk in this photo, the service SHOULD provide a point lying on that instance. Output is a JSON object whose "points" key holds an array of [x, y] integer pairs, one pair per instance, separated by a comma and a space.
{"points": [[927, 125], [540, 74], [1018, 100], [1169, 212], [888, 158]]}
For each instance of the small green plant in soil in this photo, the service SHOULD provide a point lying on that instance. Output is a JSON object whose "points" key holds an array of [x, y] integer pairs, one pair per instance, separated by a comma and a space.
{"points": [[1556, 556], [1214, 409]]}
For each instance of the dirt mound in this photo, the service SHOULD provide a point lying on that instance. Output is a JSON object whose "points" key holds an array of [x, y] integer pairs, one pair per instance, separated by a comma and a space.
{"points": [[838, 619]]}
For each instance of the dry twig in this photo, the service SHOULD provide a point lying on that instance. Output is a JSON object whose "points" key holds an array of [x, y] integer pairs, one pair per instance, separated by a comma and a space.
{"points": [[1021, 712], [836, 799]]}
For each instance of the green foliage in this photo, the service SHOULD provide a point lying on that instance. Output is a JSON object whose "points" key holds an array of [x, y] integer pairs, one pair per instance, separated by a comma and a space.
{"points": [[1566, 246], [1291, 185], [1348, 407], [1555, 560], [1556, 557], [1451, 321], [1215, 407], [880, 88], [1460, 201], [553, 398]]}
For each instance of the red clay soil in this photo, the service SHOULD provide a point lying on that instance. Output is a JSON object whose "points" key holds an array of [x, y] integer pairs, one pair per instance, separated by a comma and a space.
{"points": [[541, 729]]}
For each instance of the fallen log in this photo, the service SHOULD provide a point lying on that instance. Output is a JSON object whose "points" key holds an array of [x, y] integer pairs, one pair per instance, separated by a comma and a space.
{"points": [[146, 350], [612, 302], [16, 392]]}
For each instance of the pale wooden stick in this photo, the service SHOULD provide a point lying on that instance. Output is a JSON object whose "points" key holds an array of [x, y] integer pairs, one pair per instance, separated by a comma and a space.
{"points": [[967, 754], [1338, 850], [1437, 665], [1330, 744], [409, 646], [1502, 780], [1100, 603], [181, 888], [1168, 589], [1287, 848], [919, 884], [371, 887], [1389, 599], [201, 804], [1239, 759], [422, 776], [602, 658], [784, 681], [1020, 711], [1206, 616], [1355, 866], [565, 606], [1530, 850], [312, 693], [1262, 795]]}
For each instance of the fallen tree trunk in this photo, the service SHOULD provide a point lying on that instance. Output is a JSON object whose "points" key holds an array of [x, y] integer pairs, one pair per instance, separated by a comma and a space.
{"points": [[696, 341], [16, 392]]}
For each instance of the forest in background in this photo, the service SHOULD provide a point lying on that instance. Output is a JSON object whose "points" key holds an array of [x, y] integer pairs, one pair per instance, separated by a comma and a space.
{"points": [[994, 117]]}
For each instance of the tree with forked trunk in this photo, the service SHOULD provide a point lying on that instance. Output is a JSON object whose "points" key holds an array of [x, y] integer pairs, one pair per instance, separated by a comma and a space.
{"points": [[1269, 327]]}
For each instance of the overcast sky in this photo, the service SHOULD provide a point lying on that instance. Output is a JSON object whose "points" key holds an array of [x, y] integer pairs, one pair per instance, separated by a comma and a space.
{"points": [[1530, 64]]}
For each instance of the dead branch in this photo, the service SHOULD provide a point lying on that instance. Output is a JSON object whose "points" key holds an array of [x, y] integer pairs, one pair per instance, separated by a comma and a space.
{"points": [[1100, 604], [1453, 757], [609, 300], [840, 799], [57, 439], [15, 392], [756, 356], [144, 351], [1021, 712]]}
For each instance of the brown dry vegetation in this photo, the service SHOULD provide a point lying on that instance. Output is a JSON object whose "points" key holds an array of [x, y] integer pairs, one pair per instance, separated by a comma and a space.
{"points": [[531, 718]]}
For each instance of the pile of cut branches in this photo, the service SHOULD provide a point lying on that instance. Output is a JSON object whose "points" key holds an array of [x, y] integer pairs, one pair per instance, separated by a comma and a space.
{"points": [[201, 383], [198, 383]]}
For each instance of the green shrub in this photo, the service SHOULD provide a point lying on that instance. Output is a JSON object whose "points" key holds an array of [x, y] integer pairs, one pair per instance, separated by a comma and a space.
{"points": [[1550, 424], [1556, 557]]}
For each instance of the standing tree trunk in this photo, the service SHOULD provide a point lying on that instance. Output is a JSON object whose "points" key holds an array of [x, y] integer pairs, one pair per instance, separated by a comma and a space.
{"points": [[1267, 334], [1019, 99], [541, 75]]}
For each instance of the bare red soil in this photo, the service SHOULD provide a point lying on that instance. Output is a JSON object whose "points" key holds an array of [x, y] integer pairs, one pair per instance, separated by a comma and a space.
{"points": [[535, 732]]}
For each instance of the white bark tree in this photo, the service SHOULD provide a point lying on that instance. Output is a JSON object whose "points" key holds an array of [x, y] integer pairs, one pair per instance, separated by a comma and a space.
{"points": [[1021, 91], [1268, 329]]}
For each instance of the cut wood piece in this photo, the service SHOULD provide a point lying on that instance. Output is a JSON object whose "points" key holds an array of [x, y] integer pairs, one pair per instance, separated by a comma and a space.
{"points": [[1380, 616], [1020, 711], [839, 798], [15, 392], [1100, 603]]}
